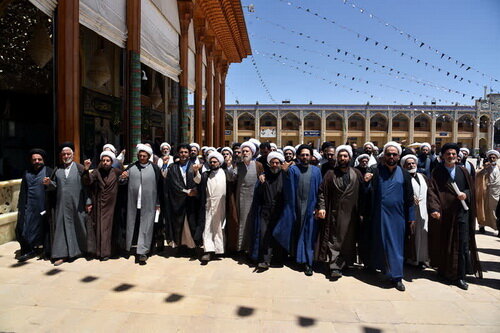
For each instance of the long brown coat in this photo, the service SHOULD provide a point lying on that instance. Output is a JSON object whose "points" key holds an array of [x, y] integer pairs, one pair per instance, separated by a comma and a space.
{"points": [[103, 193], [443, 233], [338, 232]]}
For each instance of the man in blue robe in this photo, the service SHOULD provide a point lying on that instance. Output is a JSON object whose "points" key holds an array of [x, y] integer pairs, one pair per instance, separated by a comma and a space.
{"points": [[392, 208], [31, 227], [296, 228]]}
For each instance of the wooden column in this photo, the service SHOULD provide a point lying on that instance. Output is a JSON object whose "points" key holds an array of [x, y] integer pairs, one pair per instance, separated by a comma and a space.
{"points": [[216, 124], [411, 129], [185, 15], [198, 93], [132, 117], [68, 73], [222, 128], [209, 106]]}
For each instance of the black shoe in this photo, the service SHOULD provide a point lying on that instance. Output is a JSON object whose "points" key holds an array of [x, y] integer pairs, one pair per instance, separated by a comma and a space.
{"points": [[462, 284], [263, 266], [206, 258], [482, 230], [105, 259], [27, 256], [142, 259], [308, 271], [399, 285], [335, 274]]}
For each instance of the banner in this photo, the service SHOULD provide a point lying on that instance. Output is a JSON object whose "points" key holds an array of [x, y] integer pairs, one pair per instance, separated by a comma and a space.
{"points": [[268, 132]]}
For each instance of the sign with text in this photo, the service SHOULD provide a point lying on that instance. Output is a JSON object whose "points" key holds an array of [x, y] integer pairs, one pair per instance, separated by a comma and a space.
{"points": [[267, 132], [312, 133]]}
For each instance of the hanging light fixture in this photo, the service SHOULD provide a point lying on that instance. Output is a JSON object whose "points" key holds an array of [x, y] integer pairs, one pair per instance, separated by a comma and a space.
{"points": [[99, 71], [40, 46]]}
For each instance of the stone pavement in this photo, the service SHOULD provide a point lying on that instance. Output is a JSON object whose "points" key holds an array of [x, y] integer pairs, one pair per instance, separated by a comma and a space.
{"points": [[178, 295]]}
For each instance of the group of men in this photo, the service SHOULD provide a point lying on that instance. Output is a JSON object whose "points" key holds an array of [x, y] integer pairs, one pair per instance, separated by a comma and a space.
{"points": [[340, 206]]}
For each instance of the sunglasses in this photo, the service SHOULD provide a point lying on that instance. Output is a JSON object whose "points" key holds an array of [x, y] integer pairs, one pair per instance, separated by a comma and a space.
{"points": [[391, 154]]}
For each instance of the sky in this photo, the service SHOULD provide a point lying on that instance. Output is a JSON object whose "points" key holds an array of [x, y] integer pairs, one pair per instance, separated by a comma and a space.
{"points": [[300, 56]]}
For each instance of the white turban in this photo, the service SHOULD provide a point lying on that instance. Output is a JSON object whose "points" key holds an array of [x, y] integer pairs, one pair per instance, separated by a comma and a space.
{"points": [[493, 152], [165, 144], [256, 143], [409, 156], [217, 155], [273, 145], [111, 155], [297, 147], [194, 144], [227, 149], [360, 157], [347, 148], [425, 144], [110, 146], [203, 148], [273, 155], [290, 148], [280, 151], [375, 148], [369, 144], [316, 154], [393, 144], [249, 145], [210, 149], [465, 150], [145, 148]]}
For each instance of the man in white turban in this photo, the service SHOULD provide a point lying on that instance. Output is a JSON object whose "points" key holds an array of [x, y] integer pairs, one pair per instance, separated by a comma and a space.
{"points": [[392, 208], [368, 149], [274, 147], [417, 247], [227, 153], [425, 160], [289, 153], [488, 192], [267, 208], [466, 163], [213, 189], [144, 188], [339, 203], [166, 159], [194, 151], [246, 173]]}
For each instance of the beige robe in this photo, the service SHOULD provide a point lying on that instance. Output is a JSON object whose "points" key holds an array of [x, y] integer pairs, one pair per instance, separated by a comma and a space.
{"points": [[487, 195]]}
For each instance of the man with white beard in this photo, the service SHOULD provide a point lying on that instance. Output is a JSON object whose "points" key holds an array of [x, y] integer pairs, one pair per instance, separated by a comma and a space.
{"points": [[69, 236], [165, 159], [488, 193], [417, 247]]}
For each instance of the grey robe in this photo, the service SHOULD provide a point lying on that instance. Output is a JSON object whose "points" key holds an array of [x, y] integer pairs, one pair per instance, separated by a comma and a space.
{"points": [[70, 235], [148, 177]]}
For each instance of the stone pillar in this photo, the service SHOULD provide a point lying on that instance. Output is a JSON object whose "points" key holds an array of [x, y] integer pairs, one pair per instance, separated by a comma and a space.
{"points": [[367, 126], [389, 126], [185, 15], [345, 127], [454, 127], [301, 127], [257, 125], [278, 129], [433, 129], [209, 101], [475, 140], [323, 126], [235, 126], [198, 93], [411, 128], [67, 51]]}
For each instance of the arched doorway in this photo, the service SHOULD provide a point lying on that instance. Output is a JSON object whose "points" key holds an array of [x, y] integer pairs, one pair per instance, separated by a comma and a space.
{"points": [[465, 135], [422, 128], [401, 128], [444, 128], [290, 125], [246, 127], [268, 128], [334, 128], [228, 130], [356, 129], [312, 129], [378, 129]]}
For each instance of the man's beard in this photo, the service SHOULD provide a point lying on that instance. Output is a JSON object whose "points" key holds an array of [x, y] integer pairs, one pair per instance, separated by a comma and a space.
{"points": [[104, 167], [343, 164], [68, 160], [414, 170], [304, 162], [38, 166], [391, 162], [493, 162], [214, 167], [275, 170], [288, 158], [247, 158]]}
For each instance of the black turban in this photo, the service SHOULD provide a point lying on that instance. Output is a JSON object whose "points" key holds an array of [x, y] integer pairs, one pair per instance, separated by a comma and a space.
{"points": [[448, 146], [39, 152], [67, 144]]}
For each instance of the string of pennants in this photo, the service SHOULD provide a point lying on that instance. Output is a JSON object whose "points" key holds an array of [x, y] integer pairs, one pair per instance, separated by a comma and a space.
{"points": [[391, 71], [385, 46], [281, 58], [415, 40], [254, 63], [327, 80]]}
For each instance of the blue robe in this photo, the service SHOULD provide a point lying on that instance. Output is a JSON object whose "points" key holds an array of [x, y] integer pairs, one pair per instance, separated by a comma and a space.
{"points": [[284, 230], [392, 209]]}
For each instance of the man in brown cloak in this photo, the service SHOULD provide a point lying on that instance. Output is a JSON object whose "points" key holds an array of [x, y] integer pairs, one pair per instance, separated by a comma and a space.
{"points": [[103, 183], [338, 203], [452, 243]]}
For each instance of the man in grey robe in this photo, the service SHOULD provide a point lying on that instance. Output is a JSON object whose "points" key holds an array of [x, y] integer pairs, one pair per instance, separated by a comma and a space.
{"points": [[143, 179], [246, 173], [69, 233]]}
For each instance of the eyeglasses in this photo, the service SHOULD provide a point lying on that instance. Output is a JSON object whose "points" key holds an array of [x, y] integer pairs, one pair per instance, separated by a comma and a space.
{"points": [[213, 162], [391, 154]]}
